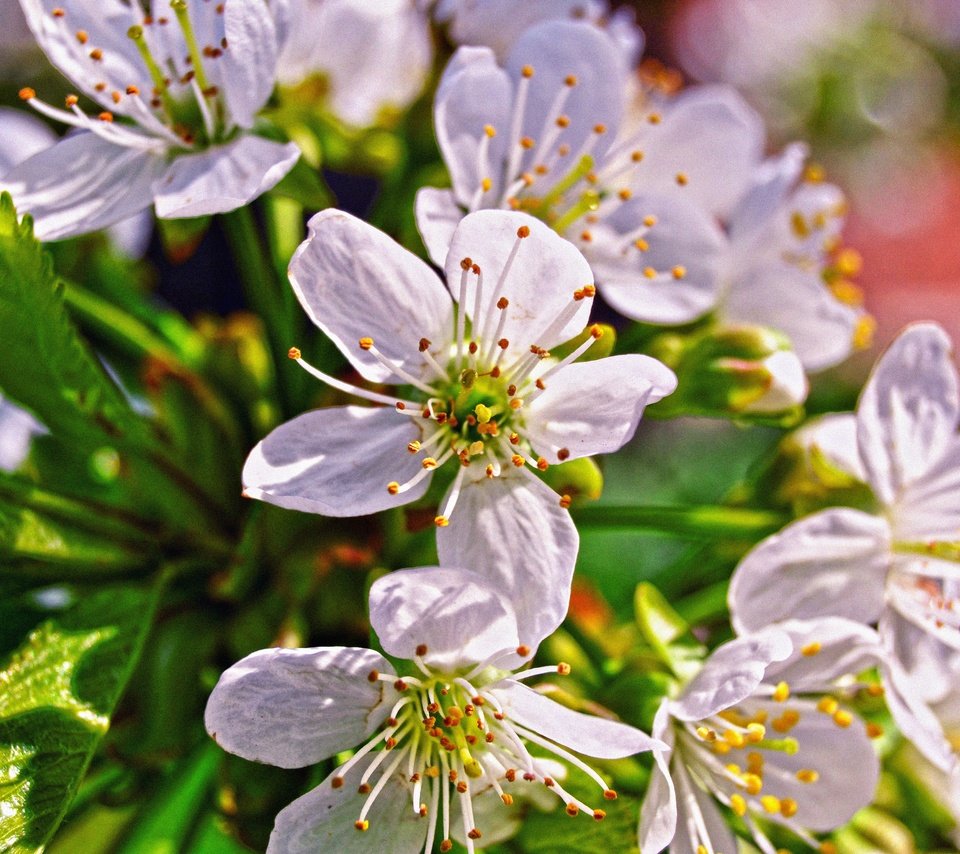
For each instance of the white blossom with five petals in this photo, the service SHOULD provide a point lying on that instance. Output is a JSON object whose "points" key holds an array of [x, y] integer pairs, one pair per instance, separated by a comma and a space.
{"points": [[484, 395], [455, 722], [764, 730], [178, 86], [897, 565]]}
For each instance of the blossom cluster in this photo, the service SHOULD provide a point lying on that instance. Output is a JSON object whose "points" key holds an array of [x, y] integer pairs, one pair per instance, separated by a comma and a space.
{"points": [[467, 378]]}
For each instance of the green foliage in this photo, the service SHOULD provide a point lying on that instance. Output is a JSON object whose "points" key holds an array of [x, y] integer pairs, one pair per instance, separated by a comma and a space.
{"points": [[45, 366], [58, 688]]}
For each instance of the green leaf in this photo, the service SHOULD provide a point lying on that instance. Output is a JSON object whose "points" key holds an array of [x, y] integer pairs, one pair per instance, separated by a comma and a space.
{"points": [[45, 366], [58, 689]]}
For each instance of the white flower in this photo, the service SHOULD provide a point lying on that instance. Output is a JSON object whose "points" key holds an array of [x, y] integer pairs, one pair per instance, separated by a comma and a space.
{"points": [[372, 56], [178, 89], [485, 397], [498, 24], [547, 134], [763, 730], [452, 723], [899, 564]]}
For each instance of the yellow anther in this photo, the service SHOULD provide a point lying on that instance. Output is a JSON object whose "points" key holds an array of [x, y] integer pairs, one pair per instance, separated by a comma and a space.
{"points": [[874, 730], [827, 705], [682, 179], [565, 501], [649, 272], [799, 225], [849, 262], [842, 718], [563, 668], [393, 487], [362, 826], [71, 101], [429, 463], [786, 722], [483, 413], [507, 799], [770, 803], [517, 460], [738, 804], [527, 142], [563, 121], [756, 733], [294, 353], [734, 738], [781, 693], [753, 783], [828, 848], [523, 231], [486, 184], [599, 129], [721, 748], [624, 194], [572, 810], [366, 343], [811, 649], [706, 733], [863, 333], [413, 446], [490, 131], [636, 156], [441, 521], [702, 849], [527, 71], [570, 80], [649, 220], [808, 775], [733, 768], [814, 173], [679, 272], [516, 403], [542, 464], [788, 807], [82, 36], [654, 118], [599, 815], [641, 244]]}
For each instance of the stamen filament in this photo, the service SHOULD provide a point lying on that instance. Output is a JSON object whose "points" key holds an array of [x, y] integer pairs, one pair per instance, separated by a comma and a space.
{"points": [[356, 391], [399, 370]]}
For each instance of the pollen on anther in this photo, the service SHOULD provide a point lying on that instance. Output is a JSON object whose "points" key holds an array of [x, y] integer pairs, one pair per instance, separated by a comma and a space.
{"points": [[486, 184], [654, 118], [679, 272], [106, 116], [96, 54], [362, 826], [563, 668], [563, 454], [26, 93], [58, 12], [82, 36], [649, 273], [811, 649], [466, 263], [490, 131], [393, 487], [682, 179], [609, 795], [71, 101], [441, 521], [133, 90], [565, 501], [373, 676], [527, 71], [337, 782], [294, 353], [366, 343], [527, 142]]}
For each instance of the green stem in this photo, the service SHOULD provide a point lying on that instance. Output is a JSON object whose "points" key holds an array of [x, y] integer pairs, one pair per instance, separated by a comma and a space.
{"points": [[261, 288], [702, 522]]}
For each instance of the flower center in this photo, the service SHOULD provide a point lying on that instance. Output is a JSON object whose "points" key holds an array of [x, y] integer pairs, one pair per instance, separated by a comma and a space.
{"points": [[450, 740], [176, 104]]}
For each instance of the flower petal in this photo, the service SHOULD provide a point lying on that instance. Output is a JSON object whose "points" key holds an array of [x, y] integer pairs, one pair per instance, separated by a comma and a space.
{"points": [[539, 285], [832, 563], [355, 282], [711, 135], [843, 757], [824, 650], [336, 461], [106, 24], [658, 814], [22, 136], [250, 62], [295, 707], [323, 819], [731, 674], [81, 184], [795, 301], [908, 411], [438, 216], [928, 509], [682, 237], [770, 186], [834, 436], [455, 613], [473, 92], [222, 179], [594, 407], [557, 50], [585, 734], [696, 810], [512, 530]]}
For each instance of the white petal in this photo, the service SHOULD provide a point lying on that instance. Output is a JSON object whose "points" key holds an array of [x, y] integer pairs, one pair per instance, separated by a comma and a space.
{"points": [[541, 282], [924, 590], [845, 648], [710, 134], [594, 407], [456, 613], [295, 707], [692, 799], [132, 235], [832, 563], [555, 50], [834, 436], [928, 509], [843, 757], [473, 92], [250, 61], [512, 530], [355, 282], [336, 461], [106, 24], [796, 302], [683, 236], [585, 734], [21, 136], [438, 216], [658, 814], [224, 178], [918, 673], [323, 819], [907, 414], [770, 186], [731, 674], [81, 184], [787, 387], [17, 429]]}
